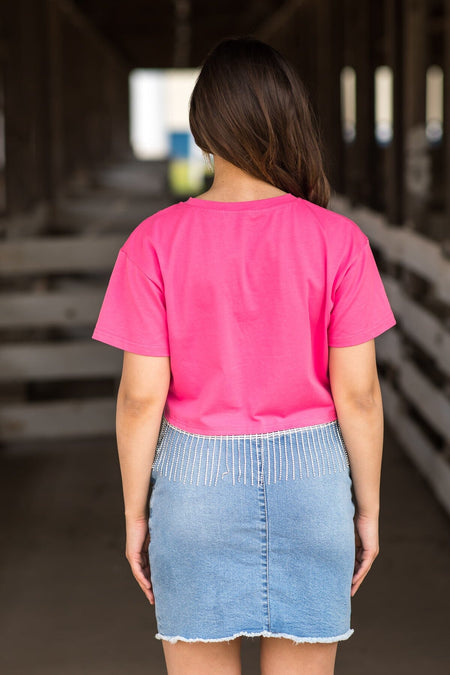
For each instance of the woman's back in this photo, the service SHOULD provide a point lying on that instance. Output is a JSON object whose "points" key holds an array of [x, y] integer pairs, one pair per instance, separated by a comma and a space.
{"points": [[245, 298]]}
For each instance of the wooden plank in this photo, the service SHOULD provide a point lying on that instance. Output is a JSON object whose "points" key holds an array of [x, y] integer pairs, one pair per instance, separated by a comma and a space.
{"points": [[419, 324], [431, 464], [415, 387], [65, 254], [59, 361], [412, 250], [389, 347], [109, 210], [50, 308], [31, 223], [424, 257], [57, 419], [432, 403]]}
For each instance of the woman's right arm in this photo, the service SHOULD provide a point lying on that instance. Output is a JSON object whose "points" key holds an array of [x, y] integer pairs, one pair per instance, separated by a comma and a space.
{"points": [[356, 393]]}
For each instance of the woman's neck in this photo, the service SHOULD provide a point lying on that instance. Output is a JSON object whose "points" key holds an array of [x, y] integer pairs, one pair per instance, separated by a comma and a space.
{"points": [[232, 184]]}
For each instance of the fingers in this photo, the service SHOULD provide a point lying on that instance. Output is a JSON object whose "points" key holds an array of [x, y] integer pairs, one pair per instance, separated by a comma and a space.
{"points": [[145, 585], [142, 576], [366, 546], [363, 563], [140, 569]]}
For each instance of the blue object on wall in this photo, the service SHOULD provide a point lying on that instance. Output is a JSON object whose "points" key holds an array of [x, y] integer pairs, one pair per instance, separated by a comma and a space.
{"points": [[179, 144]]}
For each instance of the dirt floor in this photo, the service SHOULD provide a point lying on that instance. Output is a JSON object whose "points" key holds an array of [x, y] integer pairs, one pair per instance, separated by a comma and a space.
{"points": [[69, 605]]}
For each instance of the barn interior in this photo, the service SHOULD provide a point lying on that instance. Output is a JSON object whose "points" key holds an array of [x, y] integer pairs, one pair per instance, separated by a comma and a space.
{"points": [[71, 189]]}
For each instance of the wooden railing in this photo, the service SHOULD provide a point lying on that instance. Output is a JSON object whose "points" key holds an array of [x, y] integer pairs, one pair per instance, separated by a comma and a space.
{"points": [[64, 277], [56, 382], [415, 354]]}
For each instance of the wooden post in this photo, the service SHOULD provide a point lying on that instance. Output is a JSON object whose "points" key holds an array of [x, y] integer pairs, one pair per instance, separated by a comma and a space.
{"points": [[358, 53], [417, 160], [55, 110], [447, 106], [395, 151], [364, 156], [329, 56]]}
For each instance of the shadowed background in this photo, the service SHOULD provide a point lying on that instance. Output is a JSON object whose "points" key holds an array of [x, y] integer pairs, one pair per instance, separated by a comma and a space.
{"points": [[93, 139]]}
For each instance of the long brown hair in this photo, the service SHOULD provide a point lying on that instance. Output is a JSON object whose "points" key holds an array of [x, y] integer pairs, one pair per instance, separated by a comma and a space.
{"points": [[250, 107]]}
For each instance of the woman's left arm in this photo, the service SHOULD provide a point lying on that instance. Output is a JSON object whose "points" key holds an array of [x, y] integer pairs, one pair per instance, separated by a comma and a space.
{"points": [[141, 399]]}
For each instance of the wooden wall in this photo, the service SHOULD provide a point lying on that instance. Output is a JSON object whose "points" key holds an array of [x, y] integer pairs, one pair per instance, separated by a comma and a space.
{"points": [[65, 99]]}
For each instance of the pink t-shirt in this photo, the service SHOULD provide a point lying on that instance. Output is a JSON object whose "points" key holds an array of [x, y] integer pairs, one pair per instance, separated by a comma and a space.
{"points": [[245, 298]]}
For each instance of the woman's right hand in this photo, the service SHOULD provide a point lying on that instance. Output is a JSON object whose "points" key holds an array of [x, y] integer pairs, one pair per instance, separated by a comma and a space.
{"points": [[366, 545]]}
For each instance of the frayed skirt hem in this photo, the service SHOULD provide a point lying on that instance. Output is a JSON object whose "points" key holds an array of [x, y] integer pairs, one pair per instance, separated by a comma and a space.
{"points": [[264, 633]]}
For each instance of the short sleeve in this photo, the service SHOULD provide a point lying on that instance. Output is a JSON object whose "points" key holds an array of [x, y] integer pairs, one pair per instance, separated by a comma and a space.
{"points": [[133, 313], [361, 309]]}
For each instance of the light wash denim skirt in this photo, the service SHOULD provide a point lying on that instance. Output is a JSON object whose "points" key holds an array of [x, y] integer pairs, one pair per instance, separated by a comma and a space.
{"points": [[252, 534]]}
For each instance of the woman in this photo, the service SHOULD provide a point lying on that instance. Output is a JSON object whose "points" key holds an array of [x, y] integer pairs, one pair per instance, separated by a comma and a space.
{"points": [[249, 399]]}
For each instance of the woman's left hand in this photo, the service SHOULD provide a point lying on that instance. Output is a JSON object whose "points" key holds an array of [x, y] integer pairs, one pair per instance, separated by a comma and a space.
{"points": [[136, 552]]}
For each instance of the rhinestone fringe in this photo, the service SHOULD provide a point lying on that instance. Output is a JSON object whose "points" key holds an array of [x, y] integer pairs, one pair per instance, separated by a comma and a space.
{"points": [[289, 454]]}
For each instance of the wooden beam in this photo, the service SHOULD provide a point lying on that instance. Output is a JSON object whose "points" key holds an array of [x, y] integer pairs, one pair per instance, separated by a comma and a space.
{"points": [[66, 254], [423, 327], [417, 160], [446, 137], [330, 61], [55, 308], [54, 84], [395, 151], [71, 12], [433, 404], [77, 359], [414, 251], [72, 418], [431, 464], [364, 151], [276, 22], [413, 385]]}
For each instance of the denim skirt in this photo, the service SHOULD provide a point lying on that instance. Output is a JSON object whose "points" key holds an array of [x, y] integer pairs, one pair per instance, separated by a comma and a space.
{"points": [[252, 534]]}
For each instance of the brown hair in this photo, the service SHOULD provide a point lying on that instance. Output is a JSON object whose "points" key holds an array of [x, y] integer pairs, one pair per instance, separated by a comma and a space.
{"points": [[250, 107]]}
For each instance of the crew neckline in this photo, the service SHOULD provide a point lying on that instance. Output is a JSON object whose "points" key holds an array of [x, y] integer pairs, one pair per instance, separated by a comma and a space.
{"points": [[238, 206]]}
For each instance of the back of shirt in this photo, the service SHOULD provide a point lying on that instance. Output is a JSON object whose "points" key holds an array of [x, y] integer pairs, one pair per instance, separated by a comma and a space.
{"points": [[245, 298]]}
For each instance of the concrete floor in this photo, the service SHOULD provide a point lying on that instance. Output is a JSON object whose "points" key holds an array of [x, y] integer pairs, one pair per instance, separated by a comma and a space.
{"points": [[70, 606]]}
